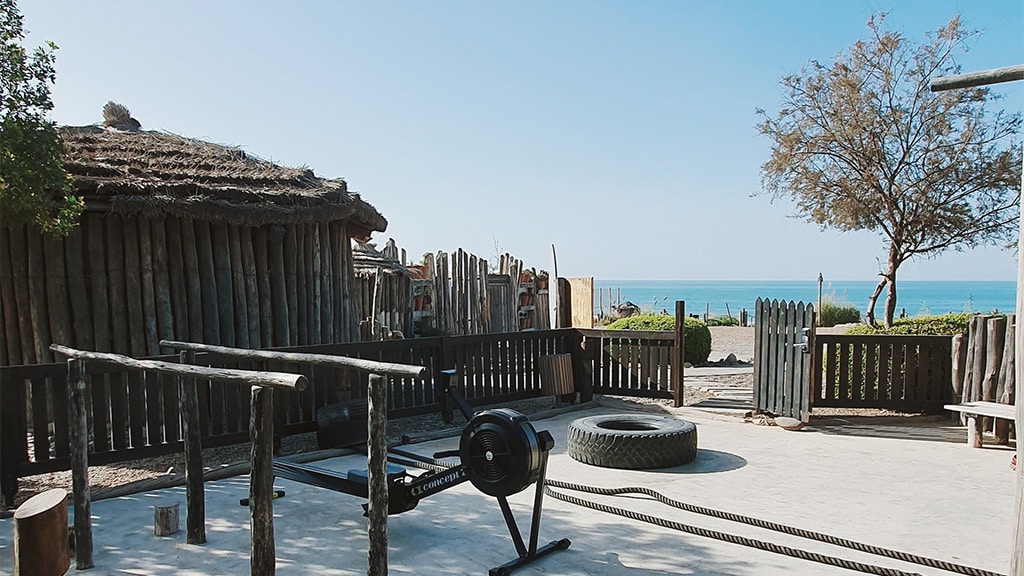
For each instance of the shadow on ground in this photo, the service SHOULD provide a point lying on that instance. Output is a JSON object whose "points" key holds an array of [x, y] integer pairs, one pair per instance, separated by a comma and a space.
{"points": [[926, 428]]}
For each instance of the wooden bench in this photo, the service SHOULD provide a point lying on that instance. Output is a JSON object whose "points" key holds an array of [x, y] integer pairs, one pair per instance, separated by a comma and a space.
{"points": [[973, 411]]}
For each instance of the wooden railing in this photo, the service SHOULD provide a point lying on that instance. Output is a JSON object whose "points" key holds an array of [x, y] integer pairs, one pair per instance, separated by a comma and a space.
{"points": [[134, 413], [630, 363], [901, 373]]}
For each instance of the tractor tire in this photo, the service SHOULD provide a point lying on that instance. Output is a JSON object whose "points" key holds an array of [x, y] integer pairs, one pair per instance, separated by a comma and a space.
{"points": [[632, 441]]}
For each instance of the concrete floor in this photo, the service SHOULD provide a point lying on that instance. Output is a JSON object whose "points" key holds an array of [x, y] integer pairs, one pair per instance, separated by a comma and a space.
{"points": [[917, 489]]}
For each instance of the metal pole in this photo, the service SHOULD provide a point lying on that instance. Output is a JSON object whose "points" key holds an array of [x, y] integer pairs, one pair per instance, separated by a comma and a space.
{"points": [[818, 316]]}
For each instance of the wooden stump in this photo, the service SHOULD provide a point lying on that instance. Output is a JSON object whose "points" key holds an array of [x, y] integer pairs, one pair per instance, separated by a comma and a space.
{"points": [[165, 519], [41, 535]]}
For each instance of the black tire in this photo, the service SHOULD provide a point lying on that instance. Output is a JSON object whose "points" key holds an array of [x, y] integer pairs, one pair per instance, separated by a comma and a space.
{"points": [[633, 441]]}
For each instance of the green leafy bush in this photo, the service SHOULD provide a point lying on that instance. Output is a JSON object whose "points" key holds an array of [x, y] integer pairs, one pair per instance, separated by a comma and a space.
{"points": [[645, 322], [833, 313], [945, 325], [698, 337], [723, 321]]}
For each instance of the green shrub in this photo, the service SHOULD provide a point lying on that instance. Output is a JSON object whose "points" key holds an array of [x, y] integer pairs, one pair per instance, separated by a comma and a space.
{"points": [[723, 321], [698, 337], [945, 325], [645, 322], [833, 313]]}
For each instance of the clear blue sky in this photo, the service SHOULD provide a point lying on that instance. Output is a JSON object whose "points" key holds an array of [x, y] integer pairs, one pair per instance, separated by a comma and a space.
{"points": [[622, 132]]}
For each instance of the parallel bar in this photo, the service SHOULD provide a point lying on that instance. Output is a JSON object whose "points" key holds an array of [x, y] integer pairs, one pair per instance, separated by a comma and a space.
{"points": [[276, 379], [365, 365]]}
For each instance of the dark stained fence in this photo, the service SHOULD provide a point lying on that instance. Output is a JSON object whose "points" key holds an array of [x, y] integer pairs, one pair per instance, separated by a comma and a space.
{"points": [[901, 373], [629, 363], [134, 414]]}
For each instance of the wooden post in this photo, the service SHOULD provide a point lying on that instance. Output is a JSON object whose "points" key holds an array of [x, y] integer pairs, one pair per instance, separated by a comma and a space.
{"points": [[678, 354], [959, 353], [40, 535], [995, 331], [261, 483], [195, 497], [376, 470], [1017, 556], [79, 438], [982, 78]]}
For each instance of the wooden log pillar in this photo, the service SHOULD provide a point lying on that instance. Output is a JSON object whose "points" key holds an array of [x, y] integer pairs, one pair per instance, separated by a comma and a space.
{"points": [[195, 497], [1017, 554], [41, 535], [376, 470], [262, 558], [995, 332], [678, 355], [78, 436], [1005, 388]]}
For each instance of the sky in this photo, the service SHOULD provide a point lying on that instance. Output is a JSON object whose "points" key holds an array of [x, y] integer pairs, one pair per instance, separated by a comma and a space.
{"points": [[623, 133]]}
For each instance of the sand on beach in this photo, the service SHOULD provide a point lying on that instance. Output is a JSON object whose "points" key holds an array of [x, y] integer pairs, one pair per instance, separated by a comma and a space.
{"points": [[738, 340]]}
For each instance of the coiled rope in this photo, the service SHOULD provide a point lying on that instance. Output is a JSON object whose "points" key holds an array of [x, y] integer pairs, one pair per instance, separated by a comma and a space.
{"points": [[759, 544]]}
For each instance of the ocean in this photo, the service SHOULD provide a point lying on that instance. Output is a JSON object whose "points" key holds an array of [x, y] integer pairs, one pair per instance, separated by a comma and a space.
{"points": [[723, 297]]}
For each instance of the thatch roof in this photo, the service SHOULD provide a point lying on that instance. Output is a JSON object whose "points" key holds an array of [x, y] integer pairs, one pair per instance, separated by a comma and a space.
{"points": [[154, 173], [366, 259]]}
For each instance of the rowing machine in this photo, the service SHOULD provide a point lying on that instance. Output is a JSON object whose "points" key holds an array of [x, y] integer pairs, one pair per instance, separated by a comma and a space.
{"points": [[500, 453]]}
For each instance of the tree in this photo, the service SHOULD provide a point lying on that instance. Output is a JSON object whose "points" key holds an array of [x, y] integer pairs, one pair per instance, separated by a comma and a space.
{"points": [[863, 144], [34, 187]]}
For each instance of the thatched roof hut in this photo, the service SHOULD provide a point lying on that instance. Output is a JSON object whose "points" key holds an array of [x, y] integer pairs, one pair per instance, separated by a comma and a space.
{"points": [[162, 174], [183, 239]]}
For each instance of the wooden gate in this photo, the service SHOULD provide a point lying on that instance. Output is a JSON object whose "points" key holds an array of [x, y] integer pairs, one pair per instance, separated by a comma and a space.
{"points": [[783, 350]]}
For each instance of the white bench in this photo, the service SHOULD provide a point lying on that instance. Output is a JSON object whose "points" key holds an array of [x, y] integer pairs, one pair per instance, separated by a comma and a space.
{"points": [[975, 409]]}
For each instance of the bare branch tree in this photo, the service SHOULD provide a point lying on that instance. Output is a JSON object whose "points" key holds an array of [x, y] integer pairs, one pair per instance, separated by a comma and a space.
{"points": [[863, 144]]}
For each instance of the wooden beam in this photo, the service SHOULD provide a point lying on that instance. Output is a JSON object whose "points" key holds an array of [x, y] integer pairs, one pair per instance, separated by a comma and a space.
{"points": [[277, 379], [981, 78], [391, 368]]}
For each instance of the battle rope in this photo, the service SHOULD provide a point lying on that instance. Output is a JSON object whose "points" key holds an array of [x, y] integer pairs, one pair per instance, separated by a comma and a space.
{"points": [[440, 465], [767, 546]]}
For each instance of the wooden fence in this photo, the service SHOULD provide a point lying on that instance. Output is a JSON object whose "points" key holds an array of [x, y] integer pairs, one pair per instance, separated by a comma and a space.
{"points": [[465, 299], [630, 363], [901, 373], [134, 414], [122, 284]]}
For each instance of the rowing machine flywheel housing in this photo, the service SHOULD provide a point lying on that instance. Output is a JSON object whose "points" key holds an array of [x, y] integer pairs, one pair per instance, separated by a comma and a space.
{"points": [[502, 452]]}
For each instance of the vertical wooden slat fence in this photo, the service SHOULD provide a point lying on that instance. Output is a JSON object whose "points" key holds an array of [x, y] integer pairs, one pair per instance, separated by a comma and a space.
{"points": [[900, 373], [783, 350], [983, 366], [123, 283], [129, 415]]}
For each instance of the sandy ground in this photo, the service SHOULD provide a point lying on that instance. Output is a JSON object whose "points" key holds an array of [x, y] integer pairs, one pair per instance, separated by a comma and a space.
{"points": [[736, 340]]}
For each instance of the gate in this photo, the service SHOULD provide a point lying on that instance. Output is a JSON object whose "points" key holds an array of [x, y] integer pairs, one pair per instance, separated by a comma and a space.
{"points": [[783, 350]]}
